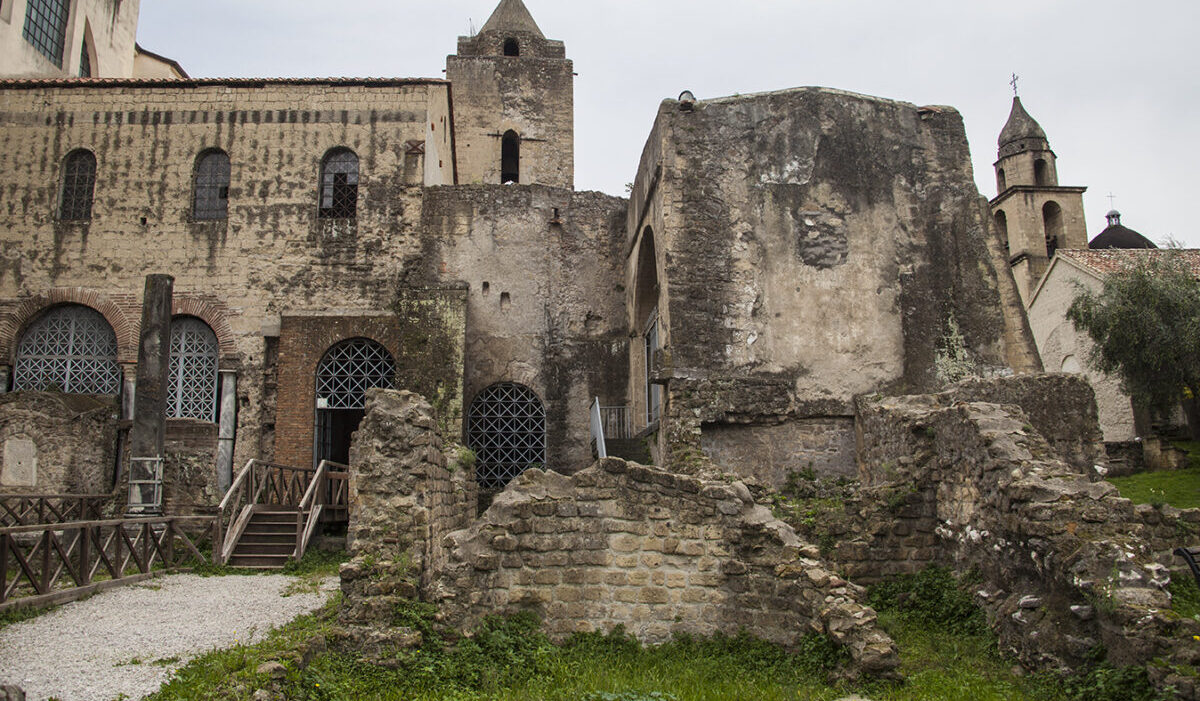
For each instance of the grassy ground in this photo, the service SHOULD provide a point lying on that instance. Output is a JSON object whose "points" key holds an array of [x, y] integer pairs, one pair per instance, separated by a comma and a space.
{"points": [[509, 660], [1179, 488]]}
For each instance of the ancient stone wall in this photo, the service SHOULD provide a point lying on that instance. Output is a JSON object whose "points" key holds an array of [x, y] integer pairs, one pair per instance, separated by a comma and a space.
{"points": [[1066, 565], [661, 554], [57, 443], [189, 474], [545, 307], [835, 236], [768, 453]]}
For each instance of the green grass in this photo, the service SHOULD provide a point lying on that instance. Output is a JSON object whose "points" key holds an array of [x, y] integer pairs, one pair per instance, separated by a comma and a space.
{"points": [[16, 615], [1179, 488]]}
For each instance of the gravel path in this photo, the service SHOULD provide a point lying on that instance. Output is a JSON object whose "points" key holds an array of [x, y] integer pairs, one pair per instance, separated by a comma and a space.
{"points": [[81, 651]]}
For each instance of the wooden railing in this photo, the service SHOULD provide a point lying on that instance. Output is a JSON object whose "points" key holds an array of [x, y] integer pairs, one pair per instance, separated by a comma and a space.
{"points": [[34, 509], [53, 563], [313, 493]]}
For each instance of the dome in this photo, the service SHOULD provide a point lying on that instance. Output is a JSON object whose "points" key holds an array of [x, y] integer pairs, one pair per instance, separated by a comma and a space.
{"points": [[1020, 127], [1117, 236]]}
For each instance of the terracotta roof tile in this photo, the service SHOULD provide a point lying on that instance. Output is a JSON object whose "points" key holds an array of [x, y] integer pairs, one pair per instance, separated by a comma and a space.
{"points": [[1110, 260], [32, 83]]}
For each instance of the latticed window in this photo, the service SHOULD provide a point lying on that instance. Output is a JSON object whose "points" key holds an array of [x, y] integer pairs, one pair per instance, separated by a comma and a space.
{"points": [[506, 427], [339, 185], [212, 185], [85, 62], [192, 388], [46, 27], [344, 375], [71, 349], [79, 182]]}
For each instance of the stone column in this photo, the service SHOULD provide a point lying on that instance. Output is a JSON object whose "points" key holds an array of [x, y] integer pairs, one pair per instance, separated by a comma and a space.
{"points": [[154, 361], [129, 382], [228, 429]]}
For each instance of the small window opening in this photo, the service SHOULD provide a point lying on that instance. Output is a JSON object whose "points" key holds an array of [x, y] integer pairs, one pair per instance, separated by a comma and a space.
{"points": [[339, 185], [1002, 229], [78, 185], [505, 301], [486, 289], [510, 158], [1041, 174], [1052, 221], [511, 47], [1001, 183], [211, 197]]}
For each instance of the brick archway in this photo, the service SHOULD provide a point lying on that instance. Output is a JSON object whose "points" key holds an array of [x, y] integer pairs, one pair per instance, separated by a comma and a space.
{"points": [[217, 319], [14, 323]]}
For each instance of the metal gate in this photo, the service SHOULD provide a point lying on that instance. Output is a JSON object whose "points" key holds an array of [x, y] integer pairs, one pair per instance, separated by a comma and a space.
{"points": [[72, 349], [506, 427], [343, 376]]}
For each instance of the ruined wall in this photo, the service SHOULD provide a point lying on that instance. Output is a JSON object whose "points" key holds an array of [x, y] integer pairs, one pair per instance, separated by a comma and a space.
{"points": [[1066, 565], [404, 495], [271, 256], [109, 26], [661, 554], [545, 305], [189, 480], [835, 236], [54, 443]]}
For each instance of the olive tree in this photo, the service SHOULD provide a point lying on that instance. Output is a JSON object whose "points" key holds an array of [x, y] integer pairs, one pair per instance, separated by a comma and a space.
{"points": [[1145, 325]]}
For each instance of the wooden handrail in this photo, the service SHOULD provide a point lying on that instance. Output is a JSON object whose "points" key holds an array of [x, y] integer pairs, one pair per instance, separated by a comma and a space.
{"points": [[306, 515], [72, 525], [237, 482], [34, 509]]}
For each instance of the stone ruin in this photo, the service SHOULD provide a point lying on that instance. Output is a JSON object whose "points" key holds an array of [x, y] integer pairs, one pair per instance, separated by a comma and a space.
{"points": [[987, 478]]}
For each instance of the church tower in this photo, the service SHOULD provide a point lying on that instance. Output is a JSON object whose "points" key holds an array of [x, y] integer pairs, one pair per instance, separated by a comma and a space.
{"points": [[1035, 216], [514, 103]]}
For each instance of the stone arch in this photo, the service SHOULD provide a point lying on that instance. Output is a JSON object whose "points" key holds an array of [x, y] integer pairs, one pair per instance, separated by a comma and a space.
{"points": [[1001, 181], [1002, 229], [1041, 173], [510, 157], [217, 319], [343, 374], [16, 321], [1052, 223], [646, 284]]}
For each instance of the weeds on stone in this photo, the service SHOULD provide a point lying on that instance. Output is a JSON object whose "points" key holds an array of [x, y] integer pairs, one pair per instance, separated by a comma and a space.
{"points": [[1107, 683], [1185, 595], [933, 598]]}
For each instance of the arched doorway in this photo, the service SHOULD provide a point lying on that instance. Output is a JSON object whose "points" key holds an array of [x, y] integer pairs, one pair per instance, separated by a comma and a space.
{"points": [[71, 349], [506, 427], [344, 374]]}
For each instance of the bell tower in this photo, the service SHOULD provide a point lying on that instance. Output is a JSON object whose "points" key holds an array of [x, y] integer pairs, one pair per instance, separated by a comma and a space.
{"points": [[514, 103], [1034, 215]]}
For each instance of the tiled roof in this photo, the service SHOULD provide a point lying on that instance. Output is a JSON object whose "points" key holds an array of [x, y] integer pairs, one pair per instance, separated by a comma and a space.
{"points": [[1110, 260], [32, 83]]}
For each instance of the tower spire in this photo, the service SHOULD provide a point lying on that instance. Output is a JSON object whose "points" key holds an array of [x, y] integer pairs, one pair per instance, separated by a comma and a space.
{"points": [[512, 16]]}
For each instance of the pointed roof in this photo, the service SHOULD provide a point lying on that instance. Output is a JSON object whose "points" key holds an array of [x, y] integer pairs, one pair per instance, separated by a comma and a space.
{"points": [[1020, 125], [512, 16]]}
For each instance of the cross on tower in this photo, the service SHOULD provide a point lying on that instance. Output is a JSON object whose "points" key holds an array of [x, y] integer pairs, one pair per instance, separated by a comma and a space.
{"points": [[1112, 201], [1013, 83]]}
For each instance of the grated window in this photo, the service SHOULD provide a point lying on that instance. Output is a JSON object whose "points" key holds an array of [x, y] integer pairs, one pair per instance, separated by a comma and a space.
{"points": [[192, 389], [71, 349], [46, 27], [212, 186], [79, 183], [506, 427], [339, 185]]}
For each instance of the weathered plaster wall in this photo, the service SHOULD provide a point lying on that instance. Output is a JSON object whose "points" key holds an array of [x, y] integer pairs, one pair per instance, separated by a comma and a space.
{"points": [[1065, 349], [812, 244], [54, 443], [110, 27], [661, 554], [545, 306], [272, 256], [768, 453]]}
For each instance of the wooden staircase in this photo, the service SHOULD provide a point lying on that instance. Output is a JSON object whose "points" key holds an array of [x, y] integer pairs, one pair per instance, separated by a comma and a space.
{"points": [[269, 540]]}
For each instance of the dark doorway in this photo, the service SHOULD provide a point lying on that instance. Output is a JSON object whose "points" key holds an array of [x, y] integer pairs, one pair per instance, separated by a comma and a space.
{"points": [[344, 374], [510, 157], [512, 48]]}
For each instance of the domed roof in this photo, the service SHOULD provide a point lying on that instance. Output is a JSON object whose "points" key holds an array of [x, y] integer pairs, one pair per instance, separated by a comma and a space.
{"points": [[1020, 126], [1117, 236]]}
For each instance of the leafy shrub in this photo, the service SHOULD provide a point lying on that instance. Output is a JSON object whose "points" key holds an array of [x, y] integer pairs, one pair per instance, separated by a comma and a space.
{"points": [[1185, 595], [932, 597], [1108, 683], [629, 696]]}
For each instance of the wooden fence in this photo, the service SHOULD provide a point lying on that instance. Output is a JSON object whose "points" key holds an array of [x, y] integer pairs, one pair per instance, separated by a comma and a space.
{"points": [[49, 564], [35, 509]]}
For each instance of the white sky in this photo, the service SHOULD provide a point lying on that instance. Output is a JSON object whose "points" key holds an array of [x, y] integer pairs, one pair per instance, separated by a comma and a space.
{"points": [[1115, 83]]}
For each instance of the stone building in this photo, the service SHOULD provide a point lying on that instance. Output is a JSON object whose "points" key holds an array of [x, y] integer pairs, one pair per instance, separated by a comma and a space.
{"points": [[780, 254]]}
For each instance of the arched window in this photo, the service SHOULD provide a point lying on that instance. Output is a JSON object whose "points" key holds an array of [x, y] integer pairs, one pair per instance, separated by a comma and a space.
{"points": [[1002, 228], [78, 184], [46, 27], [71, 349], [212, 186], [344, 374], [192, 387], [511, 47], [506, 427], [339, 185], [510, 157], [1001, 182], [1041, 172], [85, 61], [1052, 221], [646, 317]]}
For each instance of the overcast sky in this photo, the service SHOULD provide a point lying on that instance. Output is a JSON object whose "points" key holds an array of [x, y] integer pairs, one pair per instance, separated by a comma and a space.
{"points": [[1115, 83]]}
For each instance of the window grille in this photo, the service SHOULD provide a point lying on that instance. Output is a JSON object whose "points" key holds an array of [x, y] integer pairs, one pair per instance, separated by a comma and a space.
{"points": [[192, 392], [71, 349], [212, 186], [349, 369], [79, 182], [85, 62], [506, 427], [339, 185], [46, 27]]}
